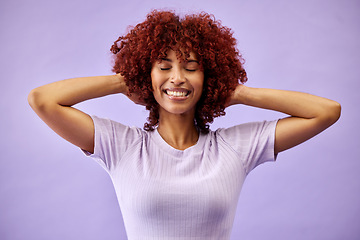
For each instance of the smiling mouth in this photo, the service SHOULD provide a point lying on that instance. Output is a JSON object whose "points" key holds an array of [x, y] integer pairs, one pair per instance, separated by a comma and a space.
{"points": [[177, 93]]}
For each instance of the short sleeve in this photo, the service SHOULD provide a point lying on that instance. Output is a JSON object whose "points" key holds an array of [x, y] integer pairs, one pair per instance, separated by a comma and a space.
{"points": [[111, 141], [254, 142]]}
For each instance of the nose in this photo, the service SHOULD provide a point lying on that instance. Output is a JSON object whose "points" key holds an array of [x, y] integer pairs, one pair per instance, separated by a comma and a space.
{"points": [[177, 77]]}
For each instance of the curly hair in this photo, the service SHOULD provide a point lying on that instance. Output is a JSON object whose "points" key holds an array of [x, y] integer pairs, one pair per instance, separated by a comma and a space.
{"points": [[212, 43]]}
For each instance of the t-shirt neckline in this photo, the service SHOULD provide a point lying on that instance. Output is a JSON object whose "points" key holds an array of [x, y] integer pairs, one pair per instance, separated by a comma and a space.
{"points": [[197, 147]]}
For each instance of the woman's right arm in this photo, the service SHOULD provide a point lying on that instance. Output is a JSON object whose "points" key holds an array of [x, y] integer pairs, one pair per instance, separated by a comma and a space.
{"points": [[53, 104]]}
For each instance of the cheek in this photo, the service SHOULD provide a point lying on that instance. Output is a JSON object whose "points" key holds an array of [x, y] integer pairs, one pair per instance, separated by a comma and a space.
{"points": [[152, 79], [155, 87], [199, 84], [154, 82], [157, 79]]}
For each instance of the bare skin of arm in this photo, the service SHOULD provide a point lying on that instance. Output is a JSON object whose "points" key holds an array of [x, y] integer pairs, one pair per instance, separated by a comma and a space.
{"points": [[309, 114], [53, 104]]}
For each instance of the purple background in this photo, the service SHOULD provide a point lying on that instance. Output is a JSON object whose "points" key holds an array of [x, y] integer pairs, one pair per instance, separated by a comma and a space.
{"points": [[50, 190]]}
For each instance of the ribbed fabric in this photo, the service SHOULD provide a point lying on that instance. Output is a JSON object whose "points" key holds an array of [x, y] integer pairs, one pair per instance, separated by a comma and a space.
{"points": [[169, 194]]}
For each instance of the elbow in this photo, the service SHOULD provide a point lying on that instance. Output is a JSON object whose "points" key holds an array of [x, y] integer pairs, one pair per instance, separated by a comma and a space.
{"points": [[33, 98], [332, 113], [36, 100], [336, 111]]}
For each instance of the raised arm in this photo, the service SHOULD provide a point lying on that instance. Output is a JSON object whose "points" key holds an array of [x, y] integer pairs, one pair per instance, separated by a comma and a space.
{"points": [[309, 114], [53, 104]]}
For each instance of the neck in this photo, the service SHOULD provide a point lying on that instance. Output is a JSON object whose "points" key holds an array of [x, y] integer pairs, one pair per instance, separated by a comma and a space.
{"points": [[178, 130]]}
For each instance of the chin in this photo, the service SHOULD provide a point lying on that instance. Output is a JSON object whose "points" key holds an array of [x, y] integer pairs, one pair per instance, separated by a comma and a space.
{"points": [[179, 111]]}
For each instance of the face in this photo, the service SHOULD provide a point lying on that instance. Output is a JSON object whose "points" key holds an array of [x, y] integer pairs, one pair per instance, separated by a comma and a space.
{"points": [[177, 85]]}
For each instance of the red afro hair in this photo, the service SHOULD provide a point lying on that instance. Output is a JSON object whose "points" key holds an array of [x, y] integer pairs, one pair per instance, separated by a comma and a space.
{"points": [[212, 43]]}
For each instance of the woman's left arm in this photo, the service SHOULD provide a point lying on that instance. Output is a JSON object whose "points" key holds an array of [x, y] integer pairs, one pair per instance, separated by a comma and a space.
{"points": [[309, 114]]}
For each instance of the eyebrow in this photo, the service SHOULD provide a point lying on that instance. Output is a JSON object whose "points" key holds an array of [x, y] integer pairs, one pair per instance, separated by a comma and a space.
{"points": [[169, 60], [166, 59]]}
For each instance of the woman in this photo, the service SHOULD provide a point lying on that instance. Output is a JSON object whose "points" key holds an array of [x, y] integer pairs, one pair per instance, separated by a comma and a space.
{"points": [[177, 179]]}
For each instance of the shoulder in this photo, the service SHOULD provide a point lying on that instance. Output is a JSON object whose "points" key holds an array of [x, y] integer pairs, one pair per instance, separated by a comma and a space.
{"points": [[115, 131], [253, 142], [112, 125], [247, 130]]}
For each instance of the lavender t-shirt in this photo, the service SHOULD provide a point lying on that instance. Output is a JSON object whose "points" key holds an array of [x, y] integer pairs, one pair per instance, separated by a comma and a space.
{"points": [[191, 194]]}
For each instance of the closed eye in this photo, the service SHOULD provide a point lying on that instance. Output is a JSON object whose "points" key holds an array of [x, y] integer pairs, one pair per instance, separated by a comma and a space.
{"points": [[164, 69], [191, 66]]}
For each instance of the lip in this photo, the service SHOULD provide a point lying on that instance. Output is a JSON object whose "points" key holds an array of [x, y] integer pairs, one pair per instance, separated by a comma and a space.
{"points": [[178, 98]]}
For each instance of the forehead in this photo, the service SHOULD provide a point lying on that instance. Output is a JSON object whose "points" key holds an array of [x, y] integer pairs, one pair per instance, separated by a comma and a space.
{"points": [[171, 54]]}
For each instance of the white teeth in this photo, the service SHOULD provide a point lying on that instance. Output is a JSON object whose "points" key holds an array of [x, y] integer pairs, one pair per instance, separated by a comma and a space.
{"points": [[176, 94]]}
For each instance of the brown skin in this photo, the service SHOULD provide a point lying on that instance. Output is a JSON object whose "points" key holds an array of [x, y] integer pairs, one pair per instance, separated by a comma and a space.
{"points": [[176, 114], [309, 114], [53, 104]]}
